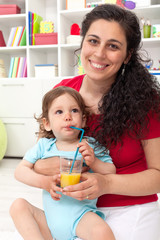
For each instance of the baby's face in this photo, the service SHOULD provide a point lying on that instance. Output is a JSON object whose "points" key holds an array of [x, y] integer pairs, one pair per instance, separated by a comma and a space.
{"points": [[63, 113]]}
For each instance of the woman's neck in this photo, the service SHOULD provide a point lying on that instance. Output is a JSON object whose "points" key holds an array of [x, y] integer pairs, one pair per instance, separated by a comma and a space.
{"points": [[92, 92]]}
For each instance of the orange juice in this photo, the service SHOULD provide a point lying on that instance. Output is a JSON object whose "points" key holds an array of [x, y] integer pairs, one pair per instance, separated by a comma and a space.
{"points": [[69, 179]]}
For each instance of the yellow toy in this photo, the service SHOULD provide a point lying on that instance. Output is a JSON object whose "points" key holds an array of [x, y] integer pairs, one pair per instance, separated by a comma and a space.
{"points": [[46, 27]]}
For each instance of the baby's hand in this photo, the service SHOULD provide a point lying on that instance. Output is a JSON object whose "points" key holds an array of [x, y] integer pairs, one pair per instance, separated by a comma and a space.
{"points": [[87, 153], [55, 188]]}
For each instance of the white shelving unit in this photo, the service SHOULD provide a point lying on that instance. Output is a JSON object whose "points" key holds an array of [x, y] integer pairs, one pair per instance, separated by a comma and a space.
{"points": [[20, 98]]}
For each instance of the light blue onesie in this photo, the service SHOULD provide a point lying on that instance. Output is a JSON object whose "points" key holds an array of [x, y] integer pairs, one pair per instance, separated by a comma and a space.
{"points": [[64, 215]]}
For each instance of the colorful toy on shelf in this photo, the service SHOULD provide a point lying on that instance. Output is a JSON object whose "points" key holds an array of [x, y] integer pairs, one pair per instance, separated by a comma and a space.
{"points": [[75, 29], [122, 3], [130, 4], [74, 37], [46, 27]]}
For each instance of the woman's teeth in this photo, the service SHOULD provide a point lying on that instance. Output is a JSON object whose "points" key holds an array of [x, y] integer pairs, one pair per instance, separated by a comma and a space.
{"points": [[98, 65]]}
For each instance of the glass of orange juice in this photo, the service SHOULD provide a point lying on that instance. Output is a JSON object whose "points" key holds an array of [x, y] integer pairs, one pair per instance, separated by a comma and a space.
{"points": [[67, 177]]}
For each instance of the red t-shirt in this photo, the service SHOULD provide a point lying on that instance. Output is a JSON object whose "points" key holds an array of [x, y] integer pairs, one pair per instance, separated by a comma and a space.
{"points": [[128, 159]]}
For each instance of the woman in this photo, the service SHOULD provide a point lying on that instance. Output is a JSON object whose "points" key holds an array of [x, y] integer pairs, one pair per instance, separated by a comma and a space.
{"points": [[124, 101]]}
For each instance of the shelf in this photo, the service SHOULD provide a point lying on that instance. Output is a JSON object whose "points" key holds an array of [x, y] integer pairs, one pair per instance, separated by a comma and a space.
{"points": [[45, 47], [151, 11], [70, 46], [13, 50], [13, 20]]}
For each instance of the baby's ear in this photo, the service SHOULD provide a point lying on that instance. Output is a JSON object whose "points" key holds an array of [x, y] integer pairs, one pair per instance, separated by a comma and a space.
{"points": [[83, 121], [46, 124]]}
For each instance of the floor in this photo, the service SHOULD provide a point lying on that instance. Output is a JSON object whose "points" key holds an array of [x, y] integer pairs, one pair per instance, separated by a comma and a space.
{"points": [[11, 189]]}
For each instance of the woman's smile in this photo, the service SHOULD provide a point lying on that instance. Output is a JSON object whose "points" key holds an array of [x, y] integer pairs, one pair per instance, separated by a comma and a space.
{"points": [[98, 66]]}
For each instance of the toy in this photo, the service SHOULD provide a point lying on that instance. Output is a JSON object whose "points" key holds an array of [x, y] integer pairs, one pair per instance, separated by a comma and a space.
{"points": [[74, 37], [75, 29], [122, 3], [46, 27]]}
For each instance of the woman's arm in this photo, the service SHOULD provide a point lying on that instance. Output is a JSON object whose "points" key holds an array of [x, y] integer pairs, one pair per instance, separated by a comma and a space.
{"points": [[48, 166], [138, 184]]}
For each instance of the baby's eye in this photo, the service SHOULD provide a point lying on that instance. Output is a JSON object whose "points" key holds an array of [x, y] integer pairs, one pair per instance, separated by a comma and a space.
{"points": [[75, 110], [59, 112]]}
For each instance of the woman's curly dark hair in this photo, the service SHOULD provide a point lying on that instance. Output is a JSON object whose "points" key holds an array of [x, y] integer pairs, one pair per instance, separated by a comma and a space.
{"points": [[134, 94]]}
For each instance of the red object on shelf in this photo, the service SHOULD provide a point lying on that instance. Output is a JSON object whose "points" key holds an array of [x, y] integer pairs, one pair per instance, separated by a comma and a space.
{"points": [[2, 42], [75, 29], [6, 9], [46, 38]]}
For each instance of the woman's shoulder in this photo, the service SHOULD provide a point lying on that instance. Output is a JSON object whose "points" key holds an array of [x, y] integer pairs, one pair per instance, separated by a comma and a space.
{"points": [[74, 82], [153, 126]]}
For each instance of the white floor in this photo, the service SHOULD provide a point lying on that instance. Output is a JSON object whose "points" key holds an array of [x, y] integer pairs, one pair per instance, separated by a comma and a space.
{"points": [[11, 189]]}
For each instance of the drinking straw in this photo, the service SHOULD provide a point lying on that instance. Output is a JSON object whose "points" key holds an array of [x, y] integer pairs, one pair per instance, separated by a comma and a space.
{"points": [[80, 129]]}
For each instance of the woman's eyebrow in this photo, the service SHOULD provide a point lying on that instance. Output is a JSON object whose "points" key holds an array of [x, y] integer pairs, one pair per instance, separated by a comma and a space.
{"points": [[109, 40], [114, 40]]}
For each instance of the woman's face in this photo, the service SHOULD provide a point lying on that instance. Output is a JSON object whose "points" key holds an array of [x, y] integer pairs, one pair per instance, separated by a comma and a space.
{"points": [[104, 50]]}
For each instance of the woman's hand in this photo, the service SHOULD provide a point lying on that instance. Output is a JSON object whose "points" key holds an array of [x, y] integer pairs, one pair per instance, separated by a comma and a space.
{"points": [[92, 186]]}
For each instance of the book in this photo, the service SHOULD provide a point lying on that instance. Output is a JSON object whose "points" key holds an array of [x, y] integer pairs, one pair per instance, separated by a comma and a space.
{"points": [[11, 36], [32, 16], [18, 35], [19, 73], [12, 44], [22, 40], [33, 26], [11, 67], [25, 69], [15, 67], [36, 25], [29, 25], [23, 66]]}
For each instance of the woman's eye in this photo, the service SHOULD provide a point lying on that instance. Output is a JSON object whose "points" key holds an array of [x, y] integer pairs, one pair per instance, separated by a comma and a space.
{"points": [[93, 41], [59, 112], [113, 46], [75, 110]]}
